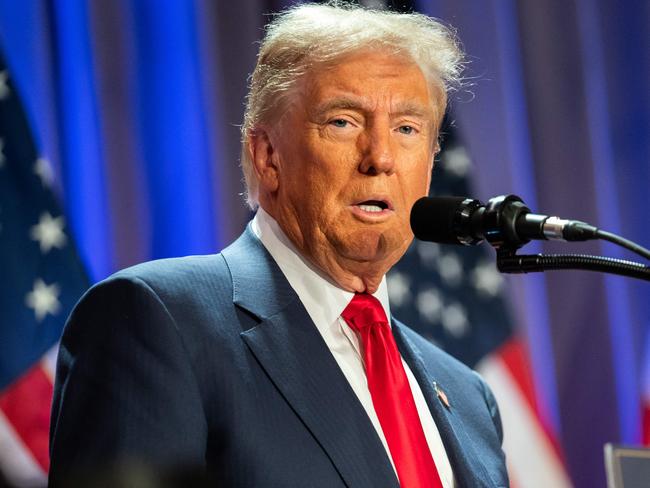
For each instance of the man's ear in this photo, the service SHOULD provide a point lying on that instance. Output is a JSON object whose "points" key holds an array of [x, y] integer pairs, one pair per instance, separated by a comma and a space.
{"points": [[264, 158]]}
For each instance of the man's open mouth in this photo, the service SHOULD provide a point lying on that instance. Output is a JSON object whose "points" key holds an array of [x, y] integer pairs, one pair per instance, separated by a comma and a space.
{"points": [[373, 205]]}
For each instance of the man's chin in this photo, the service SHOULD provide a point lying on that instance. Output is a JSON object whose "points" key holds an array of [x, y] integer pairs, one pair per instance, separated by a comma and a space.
{"points": [[364, 247], [369, 246]]}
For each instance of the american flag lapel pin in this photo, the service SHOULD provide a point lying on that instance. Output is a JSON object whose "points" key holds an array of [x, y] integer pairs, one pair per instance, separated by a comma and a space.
{"points": [[442, 396]]}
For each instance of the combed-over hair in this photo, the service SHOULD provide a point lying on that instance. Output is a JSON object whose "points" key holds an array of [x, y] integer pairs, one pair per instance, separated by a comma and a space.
{"points": [[309, 34]]}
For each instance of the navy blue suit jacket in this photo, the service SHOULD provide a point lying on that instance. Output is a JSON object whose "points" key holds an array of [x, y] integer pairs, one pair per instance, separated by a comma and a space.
{"points": [[213, 361]]}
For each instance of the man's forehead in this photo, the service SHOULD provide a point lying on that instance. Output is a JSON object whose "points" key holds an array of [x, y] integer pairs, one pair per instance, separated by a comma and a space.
{"points": [[364, 80]]}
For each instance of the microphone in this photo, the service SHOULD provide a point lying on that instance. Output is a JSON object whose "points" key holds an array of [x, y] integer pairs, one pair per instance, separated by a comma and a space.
{"points": [[504, 222]]}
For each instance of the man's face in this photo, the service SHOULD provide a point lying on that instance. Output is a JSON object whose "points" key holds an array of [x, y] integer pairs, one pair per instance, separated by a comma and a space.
{"points": [[353, 152]]}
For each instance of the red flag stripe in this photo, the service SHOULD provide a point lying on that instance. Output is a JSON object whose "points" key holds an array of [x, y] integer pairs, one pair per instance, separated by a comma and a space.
{"points": [[646, 422], [515, 358], [532, 460], [26, 406], [17, 464]]}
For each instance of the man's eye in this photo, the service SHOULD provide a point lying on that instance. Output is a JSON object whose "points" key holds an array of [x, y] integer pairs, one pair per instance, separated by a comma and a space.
{"points": [[406, 129], [339, 123]]}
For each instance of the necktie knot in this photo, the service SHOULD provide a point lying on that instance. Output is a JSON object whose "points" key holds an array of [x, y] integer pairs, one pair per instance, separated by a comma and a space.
{"points": [[364, 310]]}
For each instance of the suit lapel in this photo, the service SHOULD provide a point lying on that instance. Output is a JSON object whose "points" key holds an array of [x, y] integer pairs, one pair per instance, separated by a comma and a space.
{"points": [[468, 468], [295, 357]]}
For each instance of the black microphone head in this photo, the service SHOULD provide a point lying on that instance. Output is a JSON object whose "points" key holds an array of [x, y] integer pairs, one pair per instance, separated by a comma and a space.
{"points": [[433, 219]]}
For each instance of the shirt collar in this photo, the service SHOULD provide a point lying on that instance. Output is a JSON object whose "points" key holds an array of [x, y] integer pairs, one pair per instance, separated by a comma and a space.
{"points": [[323, 299]]}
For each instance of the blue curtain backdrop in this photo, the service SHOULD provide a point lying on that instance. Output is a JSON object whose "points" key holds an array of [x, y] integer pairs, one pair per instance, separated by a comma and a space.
{"points": [[136, 104], [561, 116]]}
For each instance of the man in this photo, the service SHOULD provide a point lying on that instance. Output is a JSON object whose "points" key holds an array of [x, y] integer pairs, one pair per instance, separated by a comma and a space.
{"points": [[274, 362]]}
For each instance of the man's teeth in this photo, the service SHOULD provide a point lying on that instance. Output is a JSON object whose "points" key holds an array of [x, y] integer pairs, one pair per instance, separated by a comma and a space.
{"points": [[371, 208]]}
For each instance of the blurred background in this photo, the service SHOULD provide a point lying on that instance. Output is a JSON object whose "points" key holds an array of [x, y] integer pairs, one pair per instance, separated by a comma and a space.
{"points": [[119, 143]]}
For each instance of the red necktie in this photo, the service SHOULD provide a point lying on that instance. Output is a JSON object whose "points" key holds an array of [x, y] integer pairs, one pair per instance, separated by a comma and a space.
{"points": [[391, 394]]}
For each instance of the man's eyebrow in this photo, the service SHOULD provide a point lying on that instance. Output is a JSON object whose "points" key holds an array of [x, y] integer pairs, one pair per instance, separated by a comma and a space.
{"points": [[401, 108], [340, 103], [411, 108]]}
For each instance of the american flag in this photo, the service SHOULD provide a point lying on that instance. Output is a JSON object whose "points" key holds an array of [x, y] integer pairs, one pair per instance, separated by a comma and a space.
{"points": [[41, 278], [454, 296]]}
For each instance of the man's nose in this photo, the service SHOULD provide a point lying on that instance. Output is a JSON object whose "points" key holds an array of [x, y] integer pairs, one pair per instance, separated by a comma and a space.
{"points": [[378, 152]]}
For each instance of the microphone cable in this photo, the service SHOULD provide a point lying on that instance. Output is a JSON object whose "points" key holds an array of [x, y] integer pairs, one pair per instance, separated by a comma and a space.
{"points": [[621, 241]]}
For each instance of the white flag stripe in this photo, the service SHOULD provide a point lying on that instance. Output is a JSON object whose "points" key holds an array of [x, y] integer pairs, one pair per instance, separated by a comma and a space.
{"points": [[531, 457], [48, 361], [17, 463]]}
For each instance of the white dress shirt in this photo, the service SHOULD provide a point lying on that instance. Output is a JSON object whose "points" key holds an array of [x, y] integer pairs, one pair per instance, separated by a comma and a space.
{"points": [[324, 302]]}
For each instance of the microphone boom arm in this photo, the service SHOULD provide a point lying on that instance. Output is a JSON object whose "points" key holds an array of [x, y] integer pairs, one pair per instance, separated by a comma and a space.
{"points": [[508, 261]]}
